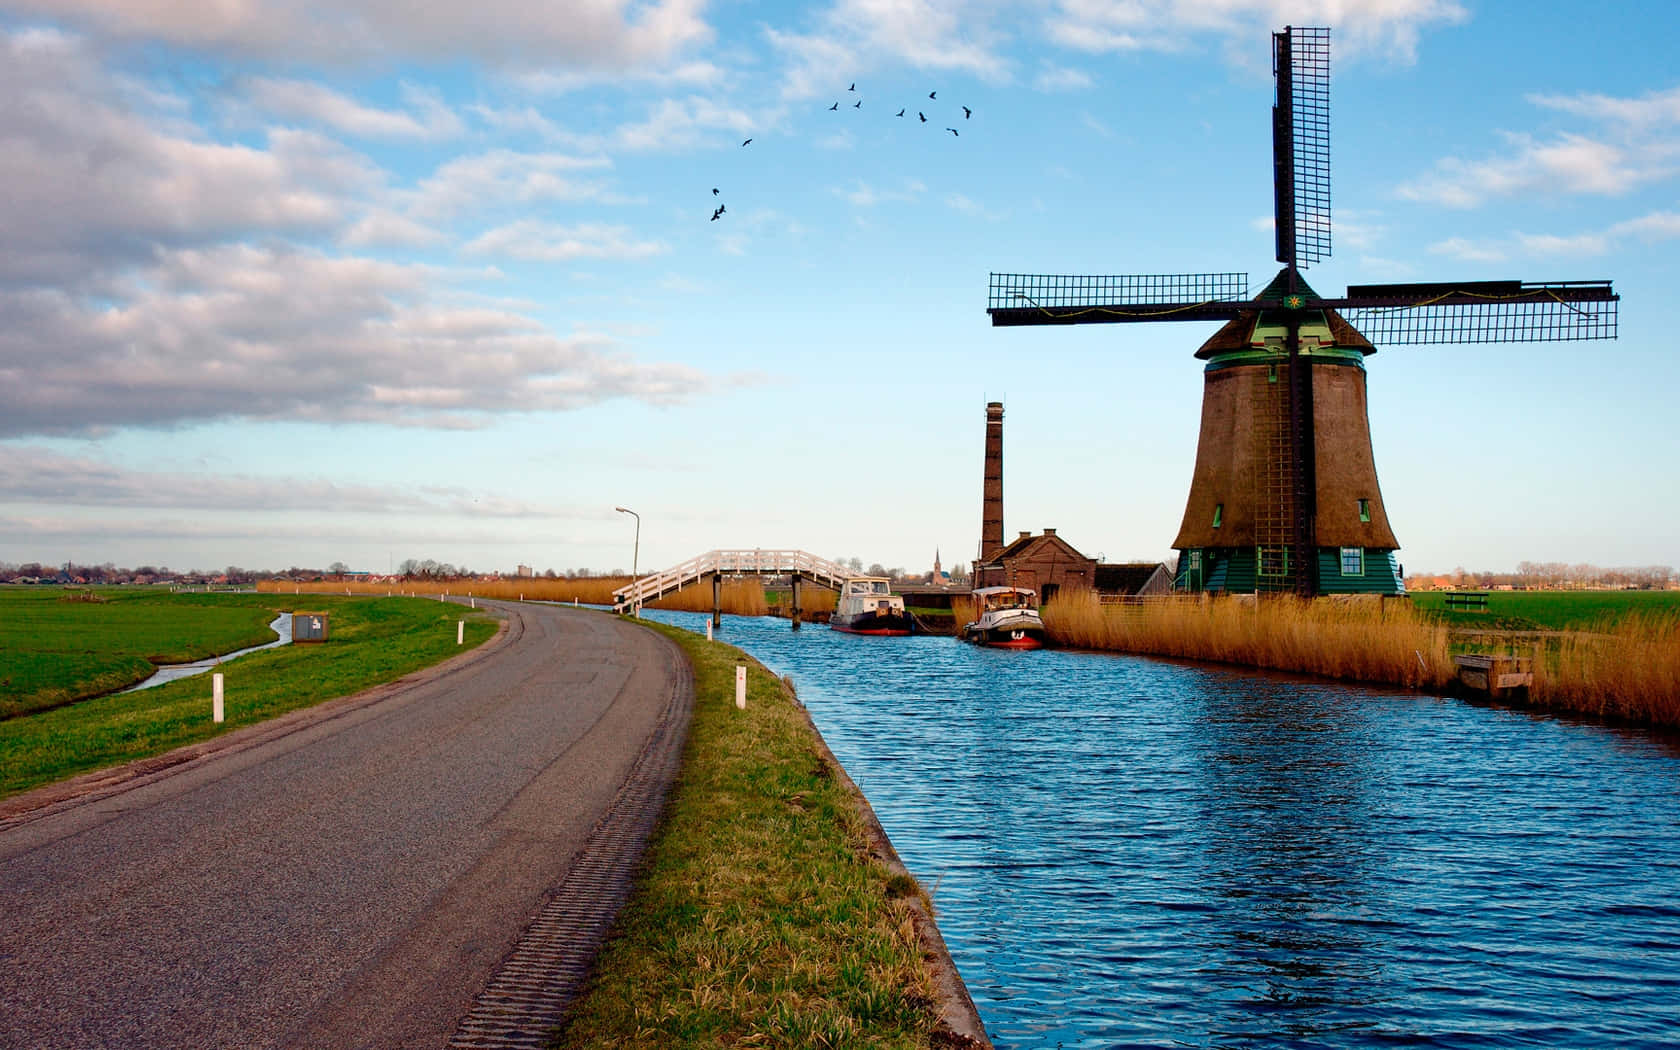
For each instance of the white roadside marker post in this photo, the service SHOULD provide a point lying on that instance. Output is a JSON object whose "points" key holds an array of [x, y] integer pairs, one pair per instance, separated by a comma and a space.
{"points": [[460, 631], [216, 697], [708, 628], [740, 687]]}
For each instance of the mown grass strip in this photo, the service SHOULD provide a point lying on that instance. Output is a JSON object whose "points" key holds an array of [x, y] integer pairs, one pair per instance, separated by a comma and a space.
{"points": [[373, 640], [759, 919]]}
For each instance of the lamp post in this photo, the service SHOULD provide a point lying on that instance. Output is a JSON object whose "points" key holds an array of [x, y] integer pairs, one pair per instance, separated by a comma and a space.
{"points": [[635, 551]]}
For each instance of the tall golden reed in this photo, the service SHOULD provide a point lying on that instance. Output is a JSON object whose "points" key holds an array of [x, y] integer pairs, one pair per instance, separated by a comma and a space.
{"points": [[1360, 640], [1627, 670]]}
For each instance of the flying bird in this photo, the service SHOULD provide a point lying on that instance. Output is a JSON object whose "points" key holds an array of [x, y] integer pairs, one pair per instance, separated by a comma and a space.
{"points": [[715, 214], [933, 94], [922, 115], [858, 104], [714, 191], [900, 113], [952, 130], [967, 112], [834, 107], [749, 140], [853, 87]]}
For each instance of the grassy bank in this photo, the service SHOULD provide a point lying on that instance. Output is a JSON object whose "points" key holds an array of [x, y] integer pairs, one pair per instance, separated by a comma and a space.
{"points": [[58, 645], [760, 918], [373, 640]]}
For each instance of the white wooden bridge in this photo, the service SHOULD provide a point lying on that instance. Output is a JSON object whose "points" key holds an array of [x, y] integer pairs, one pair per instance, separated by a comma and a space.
{"points": [[797, 565]]}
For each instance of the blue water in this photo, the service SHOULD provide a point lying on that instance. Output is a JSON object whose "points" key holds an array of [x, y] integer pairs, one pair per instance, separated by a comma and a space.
{"points": [[1126, 852]]}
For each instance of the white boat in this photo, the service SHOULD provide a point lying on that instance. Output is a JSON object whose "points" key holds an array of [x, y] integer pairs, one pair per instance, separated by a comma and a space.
{"points": [[1007, 619], [868, 606]]}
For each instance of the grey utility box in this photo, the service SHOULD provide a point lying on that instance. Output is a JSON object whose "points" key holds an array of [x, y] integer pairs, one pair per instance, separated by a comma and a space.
{"points": [[309, 627]]}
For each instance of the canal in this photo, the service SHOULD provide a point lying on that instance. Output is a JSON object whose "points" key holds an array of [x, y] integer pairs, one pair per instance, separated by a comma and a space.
{"points": [[1126, 852]]}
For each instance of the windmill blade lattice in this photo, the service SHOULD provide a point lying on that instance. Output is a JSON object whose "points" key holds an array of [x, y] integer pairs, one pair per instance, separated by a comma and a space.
{"points": [[1301, 144], [1482, 312]]}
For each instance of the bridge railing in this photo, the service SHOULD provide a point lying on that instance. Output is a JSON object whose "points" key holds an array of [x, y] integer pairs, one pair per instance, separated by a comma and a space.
{"points": [[757, 561]]}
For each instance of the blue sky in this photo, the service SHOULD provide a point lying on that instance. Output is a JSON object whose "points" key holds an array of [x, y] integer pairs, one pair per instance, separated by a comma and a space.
{"points": [[294, 283]]}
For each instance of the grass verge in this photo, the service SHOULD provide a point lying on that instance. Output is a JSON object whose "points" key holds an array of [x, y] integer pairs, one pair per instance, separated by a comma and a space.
{"points": [[760, 918], [373, 640]]}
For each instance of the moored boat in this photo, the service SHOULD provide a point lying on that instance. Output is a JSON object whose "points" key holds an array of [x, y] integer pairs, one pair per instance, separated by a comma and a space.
{"points": [[1007, 618], [867, 606]]}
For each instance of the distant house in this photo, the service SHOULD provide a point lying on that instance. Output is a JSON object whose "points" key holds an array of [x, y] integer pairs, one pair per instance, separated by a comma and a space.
{"points": [[1050, 565], [1045, 563]]}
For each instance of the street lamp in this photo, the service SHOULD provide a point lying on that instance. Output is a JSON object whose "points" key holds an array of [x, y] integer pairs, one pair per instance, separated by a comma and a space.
{"points": [[635, 552]]}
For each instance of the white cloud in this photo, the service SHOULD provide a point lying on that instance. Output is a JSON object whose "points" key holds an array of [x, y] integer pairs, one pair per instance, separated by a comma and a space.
{"points": [[503, 177], [1467, 250], [1580, 245], [679, 124], [32, 474], [862, 35], [863, 195], [306, 101], [585, 34], [533, 239], [94, 185], [1061, 78], [1657, 226], [1388, 28], [1654, 108], [1566, 164], [275, 333]]}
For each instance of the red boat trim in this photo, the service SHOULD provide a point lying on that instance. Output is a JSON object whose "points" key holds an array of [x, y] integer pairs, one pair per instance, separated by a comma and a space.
{"points": [[881, 632]]}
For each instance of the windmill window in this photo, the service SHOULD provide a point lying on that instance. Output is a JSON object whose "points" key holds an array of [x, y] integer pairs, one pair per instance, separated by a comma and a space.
{"points": [[1218, 514], [1196, 561], [1364, 510], [1353, 560], [1271, 373]]}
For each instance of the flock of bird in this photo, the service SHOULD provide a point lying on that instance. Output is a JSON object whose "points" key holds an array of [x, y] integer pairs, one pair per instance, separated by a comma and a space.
{"points": [[720, 210]]}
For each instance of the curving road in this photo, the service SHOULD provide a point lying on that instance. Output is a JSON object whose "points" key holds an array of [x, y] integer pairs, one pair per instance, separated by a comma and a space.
{"points": [[352, 877]]}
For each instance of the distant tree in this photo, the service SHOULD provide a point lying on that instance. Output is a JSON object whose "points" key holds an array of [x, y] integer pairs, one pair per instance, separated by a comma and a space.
{"points": [[338, 568], [548, 574], [875, 568]]}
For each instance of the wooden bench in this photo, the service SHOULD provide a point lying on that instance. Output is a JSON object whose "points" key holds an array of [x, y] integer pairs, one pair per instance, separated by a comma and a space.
{"points": [[1467, 601]]}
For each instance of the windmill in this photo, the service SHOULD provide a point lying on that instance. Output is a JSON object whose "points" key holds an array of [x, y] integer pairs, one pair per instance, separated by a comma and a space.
{"points": [[1285, 495]]}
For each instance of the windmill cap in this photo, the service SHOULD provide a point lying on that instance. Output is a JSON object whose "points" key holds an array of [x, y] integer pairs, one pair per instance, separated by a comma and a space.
{"points": [[1237, 334]]}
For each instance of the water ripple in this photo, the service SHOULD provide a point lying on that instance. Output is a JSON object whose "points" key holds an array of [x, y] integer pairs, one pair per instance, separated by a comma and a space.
{"points": [[1129, 853]]}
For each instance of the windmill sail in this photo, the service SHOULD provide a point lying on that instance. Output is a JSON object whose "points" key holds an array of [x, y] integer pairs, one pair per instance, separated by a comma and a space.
{"points": [[1301, 144]]}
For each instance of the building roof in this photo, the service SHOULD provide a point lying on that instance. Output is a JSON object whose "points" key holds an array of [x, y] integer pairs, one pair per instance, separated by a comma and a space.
{"points": [[1126, 578]]}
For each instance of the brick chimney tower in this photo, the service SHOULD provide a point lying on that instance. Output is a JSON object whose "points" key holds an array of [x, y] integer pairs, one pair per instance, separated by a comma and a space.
{"points": [[991, 493]]}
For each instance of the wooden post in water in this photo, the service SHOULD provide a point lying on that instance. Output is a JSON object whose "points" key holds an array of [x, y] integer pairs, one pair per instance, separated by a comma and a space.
{"points": [[717, 599], [796, 601]]}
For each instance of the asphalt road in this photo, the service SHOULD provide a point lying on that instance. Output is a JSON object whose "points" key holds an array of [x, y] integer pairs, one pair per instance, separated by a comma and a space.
{"points": [[352, 882]]}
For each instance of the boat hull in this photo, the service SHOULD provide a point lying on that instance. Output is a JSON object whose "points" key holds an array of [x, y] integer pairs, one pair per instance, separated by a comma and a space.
{"points": [[891, 625], [1005, 638]]}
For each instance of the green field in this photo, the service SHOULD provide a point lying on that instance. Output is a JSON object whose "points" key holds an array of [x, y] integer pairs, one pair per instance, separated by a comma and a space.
{"points": [[1553, 610], [59, 644], [373, 640]]}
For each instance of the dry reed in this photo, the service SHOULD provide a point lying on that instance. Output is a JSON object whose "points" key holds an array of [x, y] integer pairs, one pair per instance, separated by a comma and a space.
{"points": [[1627, 670], [1358, 640]]}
